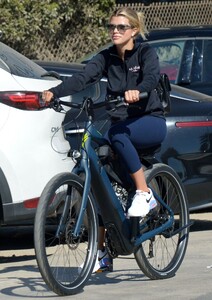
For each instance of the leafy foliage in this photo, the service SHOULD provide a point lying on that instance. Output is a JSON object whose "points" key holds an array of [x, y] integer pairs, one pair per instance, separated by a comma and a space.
{"points": [[24, 22]]}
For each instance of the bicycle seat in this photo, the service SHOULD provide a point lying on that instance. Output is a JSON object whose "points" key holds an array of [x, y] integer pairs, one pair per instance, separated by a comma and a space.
{"points": [[149, 151]]}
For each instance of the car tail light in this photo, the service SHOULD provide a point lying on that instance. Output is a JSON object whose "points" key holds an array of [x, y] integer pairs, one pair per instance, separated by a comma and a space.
{"points": [[23, 100], [31, 203]]}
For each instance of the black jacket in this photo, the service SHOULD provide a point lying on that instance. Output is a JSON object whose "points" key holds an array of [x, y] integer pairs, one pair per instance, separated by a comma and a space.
{"points": [[139, 70]]}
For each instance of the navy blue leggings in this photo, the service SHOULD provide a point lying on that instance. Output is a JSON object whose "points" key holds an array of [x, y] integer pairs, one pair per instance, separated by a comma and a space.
{"points": [[125, 136]]}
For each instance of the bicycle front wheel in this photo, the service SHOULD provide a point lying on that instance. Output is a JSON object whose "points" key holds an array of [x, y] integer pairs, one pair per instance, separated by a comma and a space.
{"points": [[161, 256], [64, 259]]}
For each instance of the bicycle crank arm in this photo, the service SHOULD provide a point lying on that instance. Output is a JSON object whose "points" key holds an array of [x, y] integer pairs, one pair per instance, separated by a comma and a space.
{"points": [[149, 234]]}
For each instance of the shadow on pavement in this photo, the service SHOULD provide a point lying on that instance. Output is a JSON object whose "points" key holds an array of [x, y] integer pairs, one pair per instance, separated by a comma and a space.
{"points": [[13, 258], [200, 225], [16, 238]]}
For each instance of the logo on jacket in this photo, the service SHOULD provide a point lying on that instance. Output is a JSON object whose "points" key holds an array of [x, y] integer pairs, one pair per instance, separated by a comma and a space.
{"points": [[134, 69]]}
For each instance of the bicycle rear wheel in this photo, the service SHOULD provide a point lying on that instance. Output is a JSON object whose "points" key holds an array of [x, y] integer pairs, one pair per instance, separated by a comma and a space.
{"points": [[65, 261], [161, 256]]}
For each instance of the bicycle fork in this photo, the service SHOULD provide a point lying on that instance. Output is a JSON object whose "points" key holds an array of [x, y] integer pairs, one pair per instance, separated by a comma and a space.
{"points": [[67, 204]]}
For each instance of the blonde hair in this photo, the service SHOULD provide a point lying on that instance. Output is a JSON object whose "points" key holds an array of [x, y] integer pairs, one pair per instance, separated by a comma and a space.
{"points": [[136, 19]]}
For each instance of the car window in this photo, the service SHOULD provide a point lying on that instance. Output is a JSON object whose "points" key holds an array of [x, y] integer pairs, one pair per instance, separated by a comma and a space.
{"points": [[19, 65], [207, 63], [196, 73], [170, 55], [184, 77]]}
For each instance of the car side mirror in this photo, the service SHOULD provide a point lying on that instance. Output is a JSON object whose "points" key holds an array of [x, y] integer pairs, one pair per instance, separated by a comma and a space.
{"points": [[51, 74]]}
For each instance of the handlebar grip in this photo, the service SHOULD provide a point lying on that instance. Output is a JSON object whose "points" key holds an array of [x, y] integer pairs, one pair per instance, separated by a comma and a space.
{"points": [[71, 104], [143, 95]]}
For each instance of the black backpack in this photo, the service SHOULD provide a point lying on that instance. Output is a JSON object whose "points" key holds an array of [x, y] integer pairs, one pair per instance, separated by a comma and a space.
{"points": [[164, 88]]}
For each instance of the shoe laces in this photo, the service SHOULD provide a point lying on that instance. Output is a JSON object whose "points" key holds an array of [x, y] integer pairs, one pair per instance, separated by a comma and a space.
{"points": [[143, 193]]}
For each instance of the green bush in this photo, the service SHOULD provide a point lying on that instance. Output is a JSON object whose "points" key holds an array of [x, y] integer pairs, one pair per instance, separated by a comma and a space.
{"points": [[25, 22]]}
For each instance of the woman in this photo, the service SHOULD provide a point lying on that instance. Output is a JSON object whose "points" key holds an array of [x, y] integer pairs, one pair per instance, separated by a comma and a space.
{"points": [[131, 68]]}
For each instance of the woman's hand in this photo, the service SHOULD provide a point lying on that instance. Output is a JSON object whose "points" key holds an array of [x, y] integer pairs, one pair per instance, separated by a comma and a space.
{"points": [[131, 96], [47, 96]]}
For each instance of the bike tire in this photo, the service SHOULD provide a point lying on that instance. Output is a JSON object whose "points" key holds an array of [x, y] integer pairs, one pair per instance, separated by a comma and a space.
{"points": [[65, 262], [161, 256]]}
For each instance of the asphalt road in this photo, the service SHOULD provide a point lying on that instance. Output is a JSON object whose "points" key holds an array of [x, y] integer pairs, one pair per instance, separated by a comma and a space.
{"points": [[20, 278]]}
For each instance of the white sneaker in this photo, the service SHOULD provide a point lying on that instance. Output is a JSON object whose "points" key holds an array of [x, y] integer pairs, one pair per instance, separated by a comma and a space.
{"points": [[103, 262], [101, 254], [96, 266], [142, 203]]}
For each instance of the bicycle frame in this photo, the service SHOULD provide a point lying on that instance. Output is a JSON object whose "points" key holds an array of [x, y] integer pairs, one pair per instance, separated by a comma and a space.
{"points": [[71, 245], [118, 226]]}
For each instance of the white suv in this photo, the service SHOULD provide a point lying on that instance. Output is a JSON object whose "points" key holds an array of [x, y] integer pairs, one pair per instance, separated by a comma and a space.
{"points": [[32, 145]]}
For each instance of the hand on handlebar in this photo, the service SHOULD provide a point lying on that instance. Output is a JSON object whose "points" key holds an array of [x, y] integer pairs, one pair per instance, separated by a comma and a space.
{"points": [[132, 96], [47, 96]]}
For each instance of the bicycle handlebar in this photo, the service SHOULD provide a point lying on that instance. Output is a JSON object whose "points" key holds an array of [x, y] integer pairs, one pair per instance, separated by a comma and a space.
{"points": [[57, 102]]}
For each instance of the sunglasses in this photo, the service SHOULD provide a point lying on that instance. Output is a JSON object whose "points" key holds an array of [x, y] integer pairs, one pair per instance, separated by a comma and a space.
{"points": [[120, 27]]}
